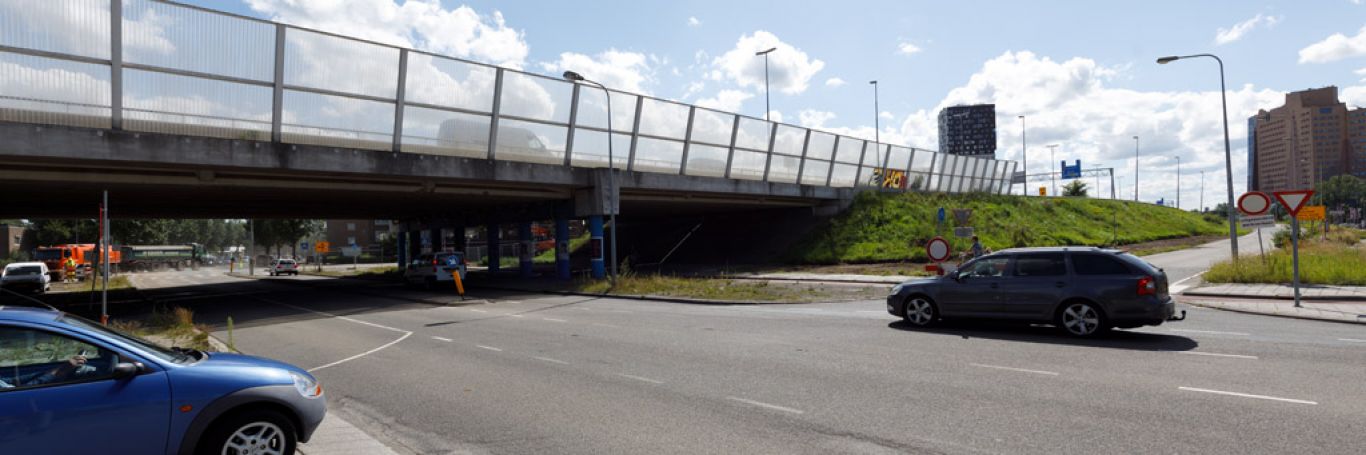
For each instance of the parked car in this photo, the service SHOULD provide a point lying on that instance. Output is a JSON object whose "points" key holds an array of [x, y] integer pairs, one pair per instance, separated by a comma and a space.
{"points": [[26, 276], [70, 385], [283, 267], [1082, 290], [430, 269]]}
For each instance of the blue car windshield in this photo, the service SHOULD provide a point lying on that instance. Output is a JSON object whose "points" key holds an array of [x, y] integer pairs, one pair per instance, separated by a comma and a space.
{"points": [[144, 346]]}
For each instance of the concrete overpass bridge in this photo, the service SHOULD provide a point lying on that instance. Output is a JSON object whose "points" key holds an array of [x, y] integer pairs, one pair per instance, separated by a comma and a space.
{"points": [[180, 111]]}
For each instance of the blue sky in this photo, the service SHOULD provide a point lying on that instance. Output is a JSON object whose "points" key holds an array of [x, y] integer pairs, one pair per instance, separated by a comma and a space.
{"points": [[1082, 72]]}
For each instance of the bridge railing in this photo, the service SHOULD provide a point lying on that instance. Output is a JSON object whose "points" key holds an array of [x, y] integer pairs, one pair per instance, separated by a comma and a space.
{"points": [[156, 66]]}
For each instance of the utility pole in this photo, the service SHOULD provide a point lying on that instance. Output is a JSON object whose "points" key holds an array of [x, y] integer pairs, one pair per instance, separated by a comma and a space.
{"points": [[1024, 157], [1202, 191], [1135, 168], [1178, 183], [1051, 175], [767, 108]]}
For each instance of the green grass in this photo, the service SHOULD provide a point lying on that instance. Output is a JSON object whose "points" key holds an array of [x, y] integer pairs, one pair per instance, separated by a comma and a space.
{"points": [[890, 227], [1339, 261], [548, 256], [171, 328], [369, 272]]}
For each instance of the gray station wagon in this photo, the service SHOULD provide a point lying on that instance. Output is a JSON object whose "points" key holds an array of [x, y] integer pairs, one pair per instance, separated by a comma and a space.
{"points": [[1082, 290]]}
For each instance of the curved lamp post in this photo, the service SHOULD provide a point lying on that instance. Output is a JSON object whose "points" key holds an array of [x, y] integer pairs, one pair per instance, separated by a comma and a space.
{"points": [[1228, 154], [611, 166]]}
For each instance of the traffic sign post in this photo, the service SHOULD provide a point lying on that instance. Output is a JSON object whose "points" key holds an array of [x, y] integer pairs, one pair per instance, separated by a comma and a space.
{"points": [[1293, 201], [1254, 204], [938, 251]]}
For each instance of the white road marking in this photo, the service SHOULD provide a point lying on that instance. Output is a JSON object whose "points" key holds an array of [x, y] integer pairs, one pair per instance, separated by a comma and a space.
{"points": [[1176, 288], [1215, 332], [1212, 354], [553, 320], [448, 340], [405, 333], [1353, 340], [363, 354], [640, 378], [548, 359], [516, 315], [766, 405], [491, 348], [599, 324], [478, 311], [1022, 370], [1247, 395]]}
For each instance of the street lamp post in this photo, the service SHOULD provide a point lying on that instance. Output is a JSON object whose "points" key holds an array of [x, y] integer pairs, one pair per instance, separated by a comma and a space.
{"points": [[1202, 191], [1024, 157], [877, 130], [1135, 168], [611, 167], [1228, 152], [1051, 175], [765, 53]]}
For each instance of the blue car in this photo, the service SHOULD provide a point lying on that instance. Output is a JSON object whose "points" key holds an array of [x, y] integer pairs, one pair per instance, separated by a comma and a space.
{"points": [[72, 386]]}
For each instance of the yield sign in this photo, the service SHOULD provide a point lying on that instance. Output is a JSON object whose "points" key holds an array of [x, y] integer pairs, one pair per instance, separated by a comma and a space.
{"points": [[1293, 200]]}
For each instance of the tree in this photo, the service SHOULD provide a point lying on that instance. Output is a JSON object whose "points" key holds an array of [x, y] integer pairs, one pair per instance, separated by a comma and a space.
{"points": [[1341, 190], [57, 232], [1076, 188]]}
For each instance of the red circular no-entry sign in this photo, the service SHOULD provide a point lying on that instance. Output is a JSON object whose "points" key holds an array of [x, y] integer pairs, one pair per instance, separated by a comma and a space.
{"points": [[1254, 203], [938, 249]]}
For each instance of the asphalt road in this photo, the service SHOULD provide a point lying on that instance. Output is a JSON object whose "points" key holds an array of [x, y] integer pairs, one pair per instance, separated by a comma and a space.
{"points": [[518, 373]]}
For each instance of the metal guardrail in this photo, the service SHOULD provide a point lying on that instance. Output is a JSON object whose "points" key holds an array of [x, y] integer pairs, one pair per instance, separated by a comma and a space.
{"points": [[158, 66]]}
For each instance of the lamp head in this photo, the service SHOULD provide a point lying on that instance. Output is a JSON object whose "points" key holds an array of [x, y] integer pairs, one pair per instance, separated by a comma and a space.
{"points": [[1167, 59], [572, 76], [771, 49]]}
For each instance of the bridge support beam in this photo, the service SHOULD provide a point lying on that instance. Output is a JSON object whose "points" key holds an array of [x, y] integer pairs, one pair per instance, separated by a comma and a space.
{"points": [[528, 248], [562, 246], [494, 248], [596, 246]]}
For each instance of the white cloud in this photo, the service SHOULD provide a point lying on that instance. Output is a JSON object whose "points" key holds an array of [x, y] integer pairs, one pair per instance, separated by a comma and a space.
{"points": [[629, 71], [1241, 29], [907, 48], [886, 115], [1335, 47], [726, 100], [693, 21], [420, 24], [812, 118], [1070, 103], [775, 116], [790, 69], [834, 82]]}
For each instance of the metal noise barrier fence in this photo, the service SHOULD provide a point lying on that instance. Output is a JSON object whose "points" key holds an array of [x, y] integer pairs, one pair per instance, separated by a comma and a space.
{"points": [[155, 66]]}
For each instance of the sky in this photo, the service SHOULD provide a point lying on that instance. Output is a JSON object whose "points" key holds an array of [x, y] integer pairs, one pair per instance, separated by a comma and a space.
{"points": [[1083, 73]]}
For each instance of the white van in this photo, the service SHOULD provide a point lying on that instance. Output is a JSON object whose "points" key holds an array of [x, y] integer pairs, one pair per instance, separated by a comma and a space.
{"points": [[26, 276]]}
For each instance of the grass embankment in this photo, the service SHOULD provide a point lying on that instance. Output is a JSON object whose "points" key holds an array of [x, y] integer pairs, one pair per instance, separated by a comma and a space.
{"points": [[728, 290], [892, 227], [1340, 260], [169, 328], [388, 271]]}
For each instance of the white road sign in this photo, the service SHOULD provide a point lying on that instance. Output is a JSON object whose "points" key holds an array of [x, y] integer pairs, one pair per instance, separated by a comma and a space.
{"points": [[1259, 221]]}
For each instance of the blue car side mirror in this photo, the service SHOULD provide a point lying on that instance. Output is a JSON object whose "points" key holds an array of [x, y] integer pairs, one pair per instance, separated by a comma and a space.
{"points": [[125, 369]]}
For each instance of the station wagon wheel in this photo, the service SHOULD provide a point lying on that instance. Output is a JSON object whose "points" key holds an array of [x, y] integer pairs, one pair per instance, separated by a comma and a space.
{"points": [[919, 311], [1081, 319]]}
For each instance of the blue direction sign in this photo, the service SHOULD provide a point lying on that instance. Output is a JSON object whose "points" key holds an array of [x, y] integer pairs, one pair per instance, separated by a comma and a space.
{"points": [[1071, 172], [304, 246], [941, 215]]}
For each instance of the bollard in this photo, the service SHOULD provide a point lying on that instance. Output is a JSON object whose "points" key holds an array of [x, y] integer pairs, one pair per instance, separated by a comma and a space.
{"points": [[459, 286]]}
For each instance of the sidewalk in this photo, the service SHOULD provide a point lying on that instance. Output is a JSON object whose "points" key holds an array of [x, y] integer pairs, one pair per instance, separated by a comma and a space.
{"points": [[1279, 291], [1338, 311]]}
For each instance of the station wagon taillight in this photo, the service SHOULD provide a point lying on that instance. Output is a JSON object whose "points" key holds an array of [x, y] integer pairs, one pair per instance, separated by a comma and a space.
{"points": [[1147, 286]]}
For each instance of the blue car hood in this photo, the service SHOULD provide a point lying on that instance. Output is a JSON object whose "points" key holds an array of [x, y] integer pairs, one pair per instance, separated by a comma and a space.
{"points": [[226, 360]]}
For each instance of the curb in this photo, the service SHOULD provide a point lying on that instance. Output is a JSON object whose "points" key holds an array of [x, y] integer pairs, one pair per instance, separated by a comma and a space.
{"points": [[1358, 321], [802, 280]]}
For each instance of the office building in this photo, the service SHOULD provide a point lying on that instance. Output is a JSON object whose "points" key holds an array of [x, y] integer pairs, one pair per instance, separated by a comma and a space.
{"points": [[968, 130], [1311, 138]]}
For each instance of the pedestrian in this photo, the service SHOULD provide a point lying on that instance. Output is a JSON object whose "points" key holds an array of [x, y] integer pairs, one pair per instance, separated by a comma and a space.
{"points": [[69, 267], [977, 249]]}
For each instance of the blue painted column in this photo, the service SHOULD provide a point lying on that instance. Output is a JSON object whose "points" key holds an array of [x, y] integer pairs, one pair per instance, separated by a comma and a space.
{"points": [[595, 246], [495, 256], [528, 248], [562, 248]]}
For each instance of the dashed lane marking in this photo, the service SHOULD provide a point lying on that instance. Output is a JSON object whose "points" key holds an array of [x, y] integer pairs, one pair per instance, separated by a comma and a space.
{"points": [[491, 348], [1247, 395], [1352, 340], [553, 320], [448, 340], [1214, 354], [640, 378], [1022, 370], [766, 405], [548, 359], [1213, 332]]}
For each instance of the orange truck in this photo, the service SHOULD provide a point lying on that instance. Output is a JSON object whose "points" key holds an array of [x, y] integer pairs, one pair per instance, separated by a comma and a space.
{"points": [[85, 254]]}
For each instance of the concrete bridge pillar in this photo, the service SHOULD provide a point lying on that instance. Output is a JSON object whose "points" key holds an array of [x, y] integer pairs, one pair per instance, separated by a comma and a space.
{"points": [[528, 248], [402, 245], [595, 246], [495, 256], [562, 247]]}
